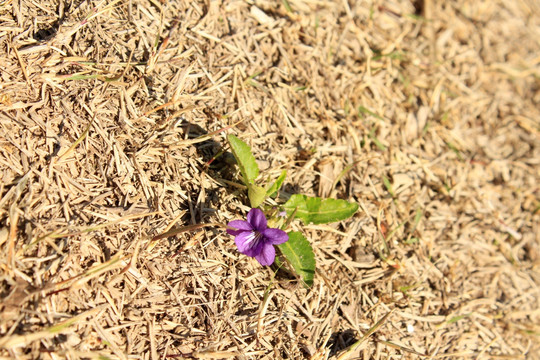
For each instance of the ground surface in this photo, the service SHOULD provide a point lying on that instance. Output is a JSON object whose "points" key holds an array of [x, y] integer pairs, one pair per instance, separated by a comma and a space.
{"points": [[431, 106]]}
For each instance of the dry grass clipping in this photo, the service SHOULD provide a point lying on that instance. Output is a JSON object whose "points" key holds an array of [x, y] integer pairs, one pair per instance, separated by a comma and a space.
{"points": [[425, 113]]}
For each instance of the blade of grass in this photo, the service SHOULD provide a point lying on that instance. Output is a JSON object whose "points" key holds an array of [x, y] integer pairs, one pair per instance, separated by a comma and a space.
{"points": [[206, 136], [363, 110], [184, 229], [416, 221], [455, 150], [95, 11], [8, 342], [287, 6], [59, 234], [383, 236], [157, 52], [78, 141], [377, 142], [14, 221], [94, 271], [347, 353], [402, 348], [343, 173], [388, 186]]}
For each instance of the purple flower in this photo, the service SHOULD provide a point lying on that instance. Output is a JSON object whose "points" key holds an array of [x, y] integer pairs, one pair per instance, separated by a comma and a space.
{"points": [[254, 238]]}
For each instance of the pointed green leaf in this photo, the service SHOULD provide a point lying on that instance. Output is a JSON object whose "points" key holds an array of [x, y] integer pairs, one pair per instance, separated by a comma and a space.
{"points": [[245, 159], [256, 195], [319, 211], [299, 254], [272, 190]]}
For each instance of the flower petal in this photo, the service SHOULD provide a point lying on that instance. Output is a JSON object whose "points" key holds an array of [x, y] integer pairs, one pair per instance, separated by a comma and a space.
{"points": [[275, 236], [255, 249], [244, 241], [267, 255], [240, 225], [257, 219]]}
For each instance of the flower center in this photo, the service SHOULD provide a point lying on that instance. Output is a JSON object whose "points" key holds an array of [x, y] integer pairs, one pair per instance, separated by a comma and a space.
{"points": [[253, 238]]}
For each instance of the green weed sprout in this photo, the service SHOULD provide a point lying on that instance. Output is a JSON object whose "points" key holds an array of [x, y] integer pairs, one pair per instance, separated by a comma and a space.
{"points": [[255, 238]]}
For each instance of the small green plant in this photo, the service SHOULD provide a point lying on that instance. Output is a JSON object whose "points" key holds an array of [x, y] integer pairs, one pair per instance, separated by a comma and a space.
{"points": [[255, 238]]}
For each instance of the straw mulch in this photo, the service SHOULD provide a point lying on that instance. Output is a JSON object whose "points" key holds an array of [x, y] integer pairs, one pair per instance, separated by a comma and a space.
{"points": [[426, 113]]}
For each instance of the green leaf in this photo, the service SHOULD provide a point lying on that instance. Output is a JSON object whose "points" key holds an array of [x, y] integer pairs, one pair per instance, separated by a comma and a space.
{"points": [[319, 211], [256, 195], [244, 158], [272, 190], [299, 254]]}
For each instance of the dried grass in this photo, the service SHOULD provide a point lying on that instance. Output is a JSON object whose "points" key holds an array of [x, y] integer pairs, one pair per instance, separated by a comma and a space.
{"points": [[102, 105]]}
